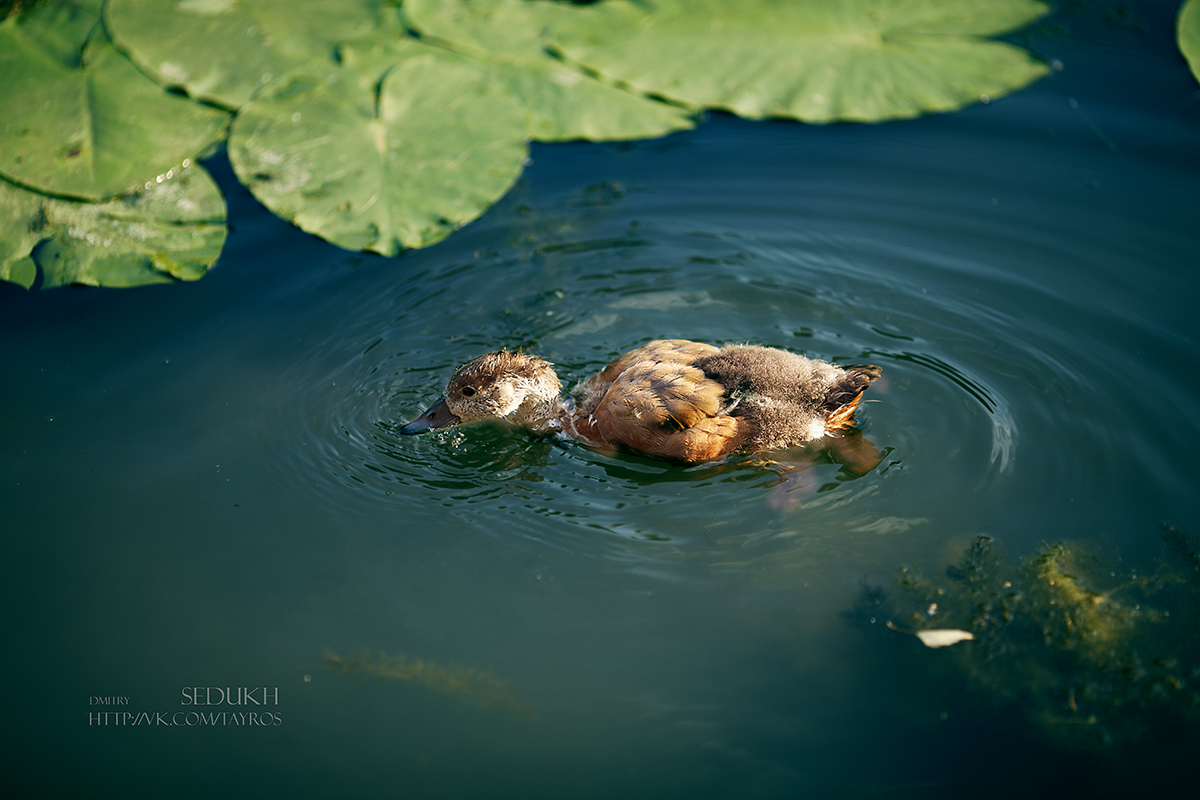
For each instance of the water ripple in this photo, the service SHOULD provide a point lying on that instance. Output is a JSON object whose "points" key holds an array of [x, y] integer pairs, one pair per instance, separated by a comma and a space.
{"points": [[976, 358]]}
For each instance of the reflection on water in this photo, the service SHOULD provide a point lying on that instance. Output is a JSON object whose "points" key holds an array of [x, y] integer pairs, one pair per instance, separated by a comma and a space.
{"points": [[223, 490]]}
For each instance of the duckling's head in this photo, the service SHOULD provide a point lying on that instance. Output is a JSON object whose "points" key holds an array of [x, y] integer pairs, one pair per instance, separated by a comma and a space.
{"points": [[508, 385]]}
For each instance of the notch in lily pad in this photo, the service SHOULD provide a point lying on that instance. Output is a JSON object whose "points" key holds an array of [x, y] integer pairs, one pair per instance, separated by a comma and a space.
{"points": [[393, 147]]}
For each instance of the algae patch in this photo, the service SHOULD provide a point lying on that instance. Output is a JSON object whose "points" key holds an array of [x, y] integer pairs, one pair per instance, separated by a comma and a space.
{"points": [[1091, 652], [475, 686]]}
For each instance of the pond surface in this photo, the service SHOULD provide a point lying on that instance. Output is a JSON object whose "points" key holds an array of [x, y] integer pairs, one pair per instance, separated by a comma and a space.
{"points": [[204, 484]]}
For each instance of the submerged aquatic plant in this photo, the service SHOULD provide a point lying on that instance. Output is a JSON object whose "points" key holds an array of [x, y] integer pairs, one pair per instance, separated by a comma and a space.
{"points": [[476, 686], [1082, 652]]}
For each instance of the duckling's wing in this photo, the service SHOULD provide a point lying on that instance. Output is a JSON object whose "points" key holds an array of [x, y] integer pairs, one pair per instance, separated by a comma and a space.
{"points": [[661, 351], [666, 408]]}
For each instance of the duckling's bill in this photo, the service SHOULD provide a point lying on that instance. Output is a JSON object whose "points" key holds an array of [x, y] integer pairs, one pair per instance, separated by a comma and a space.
{"points": [[437, 415]]}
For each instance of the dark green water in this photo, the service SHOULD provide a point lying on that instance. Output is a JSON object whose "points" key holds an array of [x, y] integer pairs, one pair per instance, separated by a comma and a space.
{"points": [[203, 484]]}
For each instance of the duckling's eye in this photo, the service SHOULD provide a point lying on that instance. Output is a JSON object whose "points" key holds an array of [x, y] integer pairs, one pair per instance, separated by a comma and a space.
{"points": [[468, 391]]}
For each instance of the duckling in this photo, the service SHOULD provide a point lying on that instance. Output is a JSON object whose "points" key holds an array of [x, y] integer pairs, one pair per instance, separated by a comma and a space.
{"points": [[673, 399]]}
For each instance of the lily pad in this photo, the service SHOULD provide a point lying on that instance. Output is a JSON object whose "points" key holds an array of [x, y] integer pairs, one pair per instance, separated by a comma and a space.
{"points": [[395, 147], [509, 29], [560, 102], [1187, 31], [813, 60], [19, 232], [62, 28], [173, 230], [80, 119], [224, 51]]}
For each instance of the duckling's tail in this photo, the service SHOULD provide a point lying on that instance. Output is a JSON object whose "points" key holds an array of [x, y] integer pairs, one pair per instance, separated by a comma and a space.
{"points": [[845, 394]]}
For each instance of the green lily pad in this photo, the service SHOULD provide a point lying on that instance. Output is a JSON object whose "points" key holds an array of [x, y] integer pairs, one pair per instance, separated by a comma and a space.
{"points": [[813, 60], [1187, 31], [395, 147], [173, 230], [224, 51], [560, 103], [80, 119], [62, 28], [509, 29], [20, 230]]}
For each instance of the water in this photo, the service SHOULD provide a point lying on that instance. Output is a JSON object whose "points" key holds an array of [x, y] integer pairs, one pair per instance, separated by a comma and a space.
{"points": [[205, 486]]}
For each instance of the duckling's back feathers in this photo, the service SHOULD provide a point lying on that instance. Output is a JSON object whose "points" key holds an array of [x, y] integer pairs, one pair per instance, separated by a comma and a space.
{"points": [[750, 369], [662, 351], [785, 398], [658, 407], [668, 395], [693, 402]]}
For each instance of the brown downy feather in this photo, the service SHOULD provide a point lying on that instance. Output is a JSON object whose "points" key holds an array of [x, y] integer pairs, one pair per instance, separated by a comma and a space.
{"points": [[665, 351], [676, 399], [661, 408], [487, 367], [778, 394], [692, 402]]}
